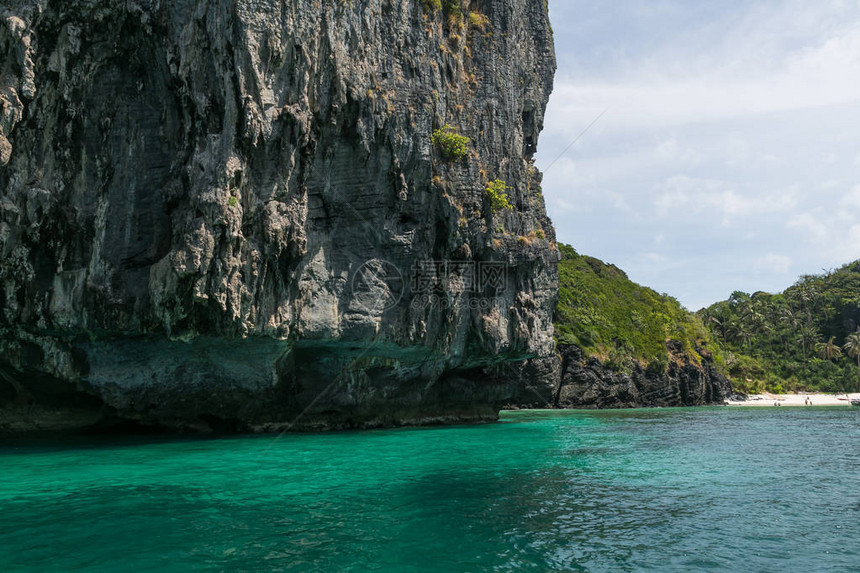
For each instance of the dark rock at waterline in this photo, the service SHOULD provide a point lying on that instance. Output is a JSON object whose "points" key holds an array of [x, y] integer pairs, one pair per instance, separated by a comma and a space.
{"points": [[211, 213], [572, 380], [587, 383], [534, 384]]}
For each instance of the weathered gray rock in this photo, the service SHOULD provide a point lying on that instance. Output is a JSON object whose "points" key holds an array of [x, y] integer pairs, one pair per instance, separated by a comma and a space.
{"points": [[586, 383], [210, 212]]}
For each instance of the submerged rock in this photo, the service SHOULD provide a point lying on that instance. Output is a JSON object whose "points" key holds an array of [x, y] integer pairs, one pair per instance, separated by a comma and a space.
{"points": [[230, 214]]}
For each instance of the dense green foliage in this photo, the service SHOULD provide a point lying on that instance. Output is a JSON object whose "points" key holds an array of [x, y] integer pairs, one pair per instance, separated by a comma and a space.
{"points": [[499, 200], [478, 21], [806, 338], [615, 319], [454, 8], [801, 339], [451, 145], [431, 5]]}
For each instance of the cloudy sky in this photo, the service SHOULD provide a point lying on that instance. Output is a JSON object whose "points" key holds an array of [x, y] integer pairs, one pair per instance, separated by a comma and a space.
{"points": [[729, 155]]}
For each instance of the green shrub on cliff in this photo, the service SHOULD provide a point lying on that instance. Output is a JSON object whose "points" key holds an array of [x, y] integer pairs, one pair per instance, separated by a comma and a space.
{"points": [[451, 145], [499, 200], [431, 5], [453, 8], [478, 21], [611, 317]]}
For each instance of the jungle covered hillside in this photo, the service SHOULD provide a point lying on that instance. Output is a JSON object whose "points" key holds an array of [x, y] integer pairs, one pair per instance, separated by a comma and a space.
{"points": [[622, 323], [805, 338]]}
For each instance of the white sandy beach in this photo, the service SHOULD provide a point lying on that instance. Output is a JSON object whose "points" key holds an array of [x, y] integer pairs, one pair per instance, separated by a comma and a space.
{"points": [[771, 400]]}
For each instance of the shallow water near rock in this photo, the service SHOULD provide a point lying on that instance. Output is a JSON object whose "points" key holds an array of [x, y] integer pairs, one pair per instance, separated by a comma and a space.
{"points": [[695, 489]]}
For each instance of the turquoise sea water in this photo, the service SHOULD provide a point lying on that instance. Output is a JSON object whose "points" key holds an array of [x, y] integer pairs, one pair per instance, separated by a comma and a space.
{"points": [[706, 489]]}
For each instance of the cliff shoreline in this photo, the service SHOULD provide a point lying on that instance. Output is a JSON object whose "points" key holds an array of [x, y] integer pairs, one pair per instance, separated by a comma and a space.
{"points": [[237, 213], [573, 380]]}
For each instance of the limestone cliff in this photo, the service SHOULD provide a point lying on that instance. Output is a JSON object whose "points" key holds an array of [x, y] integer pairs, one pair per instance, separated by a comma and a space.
{"points": [[232, 214], [573, 380], [588, 383]]}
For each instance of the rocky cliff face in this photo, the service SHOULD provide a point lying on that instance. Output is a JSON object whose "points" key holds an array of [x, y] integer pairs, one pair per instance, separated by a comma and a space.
{"points": [[231, 213], [572, 380], [587, 383]]}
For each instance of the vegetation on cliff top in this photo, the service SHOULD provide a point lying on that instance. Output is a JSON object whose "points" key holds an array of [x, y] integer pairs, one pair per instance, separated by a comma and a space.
{"points": [[609, 316], [800, 339]]}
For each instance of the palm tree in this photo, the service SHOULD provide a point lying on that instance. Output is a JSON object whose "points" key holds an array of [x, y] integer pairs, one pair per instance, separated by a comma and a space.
{"points": [[788, 323], [852, 347], [807, 337], [829, 350], [745, 335], [712, 322], [786, 315], [805, 294]]}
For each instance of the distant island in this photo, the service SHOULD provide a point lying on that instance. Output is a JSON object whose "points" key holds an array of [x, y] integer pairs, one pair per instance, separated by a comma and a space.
{"points": [[803, 339]]}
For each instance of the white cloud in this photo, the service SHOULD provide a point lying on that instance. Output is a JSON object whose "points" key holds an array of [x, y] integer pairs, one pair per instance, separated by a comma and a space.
{"points": [[772, 160], [775, 263], [671, 150], [829, 158], [656, 258], [851, 200], [679, 88], [853, 241], [815, 226], [729, 139], [737, 151], [681, 193], [832, 242]]}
